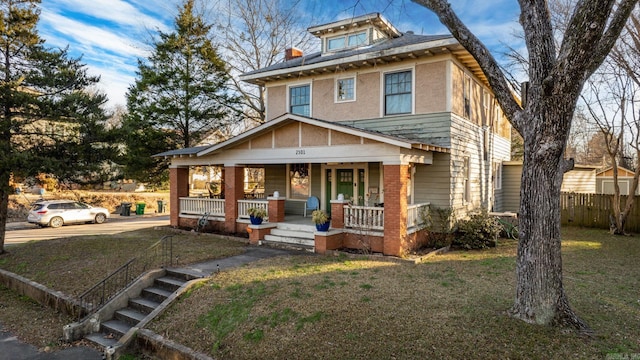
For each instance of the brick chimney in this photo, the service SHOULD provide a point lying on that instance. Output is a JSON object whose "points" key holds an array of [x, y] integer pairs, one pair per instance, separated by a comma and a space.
{"points": [[292, 53]]}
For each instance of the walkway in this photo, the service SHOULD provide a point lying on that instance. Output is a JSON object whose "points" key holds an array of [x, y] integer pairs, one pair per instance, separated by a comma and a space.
{"points": [[12, 349]]}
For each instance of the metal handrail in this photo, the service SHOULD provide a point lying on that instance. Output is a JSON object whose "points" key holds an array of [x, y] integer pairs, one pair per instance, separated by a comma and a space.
{"points": [[106, 289]]}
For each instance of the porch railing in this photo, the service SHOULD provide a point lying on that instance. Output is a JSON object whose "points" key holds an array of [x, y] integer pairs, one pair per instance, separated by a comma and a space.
{"points": [[416, 214], [200, 206], [364, 217], [245, 205]]}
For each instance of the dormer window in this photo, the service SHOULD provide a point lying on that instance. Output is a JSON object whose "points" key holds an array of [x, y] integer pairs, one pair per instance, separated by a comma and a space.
{"points": [[346, 41]]}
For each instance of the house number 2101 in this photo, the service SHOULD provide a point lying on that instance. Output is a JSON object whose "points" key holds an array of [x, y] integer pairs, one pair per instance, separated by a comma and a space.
{"points": [[300, 152]]}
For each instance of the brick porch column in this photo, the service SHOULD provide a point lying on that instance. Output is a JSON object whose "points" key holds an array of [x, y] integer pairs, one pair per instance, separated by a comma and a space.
{"points": [[337, 213], [178, 187], [395, 208], [276, 209], [233, 191]]}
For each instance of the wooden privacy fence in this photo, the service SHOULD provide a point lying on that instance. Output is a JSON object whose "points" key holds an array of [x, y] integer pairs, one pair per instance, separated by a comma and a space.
{"points": [[593, 210]]}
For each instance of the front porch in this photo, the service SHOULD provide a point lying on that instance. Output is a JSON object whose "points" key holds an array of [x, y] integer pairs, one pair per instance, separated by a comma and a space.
{"points": [[364, 180], [352, 226]]}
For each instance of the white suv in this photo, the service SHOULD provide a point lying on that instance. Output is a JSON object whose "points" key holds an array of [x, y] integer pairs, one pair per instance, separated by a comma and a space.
{"points": [[56, 213]]}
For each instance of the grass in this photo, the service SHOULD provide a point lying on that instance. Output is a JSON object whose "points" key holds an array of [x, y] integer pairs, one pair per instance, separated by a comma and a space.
{"points": [[451, 307], [72, 265], [88, 259]]}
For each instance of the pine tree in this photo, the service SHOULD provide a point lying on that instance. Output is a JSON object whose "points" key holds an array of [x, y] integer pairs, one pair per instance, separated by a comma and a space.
{"points": [[49, 123], [180, 96]]}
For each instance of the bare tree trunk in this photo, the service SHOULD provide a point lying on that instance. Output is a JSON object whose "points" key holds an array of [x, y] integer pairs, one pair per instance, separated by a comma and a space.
{"points": [[4, 205], [540, 296]]}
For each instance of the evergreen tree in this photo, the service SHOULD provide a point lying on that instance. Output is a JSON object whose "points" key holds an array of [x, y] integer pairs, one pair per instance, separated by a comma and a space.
{"points": [[48, 121], [179, 98]]}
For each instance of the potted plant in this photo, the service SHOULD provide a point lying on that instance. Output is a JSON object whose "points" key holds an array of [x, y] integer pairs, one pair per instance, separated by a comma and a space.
{"points": [[321, 219], [256, 215]]}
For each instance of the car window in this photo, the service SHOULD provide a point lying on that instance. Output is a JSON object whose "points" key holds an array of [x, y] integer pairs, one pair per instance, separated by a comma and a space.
{"points": [[54, 206], [80, 205], [36, 207]]}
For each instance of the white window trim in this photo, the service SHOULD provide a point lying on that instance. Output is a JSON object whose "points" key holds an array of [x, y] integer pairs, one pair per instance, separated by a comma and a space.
{"points": [[466, 90], [288, 95], [413, 90], [466, 180], [497, 181], [346, 46], [335, 98]]}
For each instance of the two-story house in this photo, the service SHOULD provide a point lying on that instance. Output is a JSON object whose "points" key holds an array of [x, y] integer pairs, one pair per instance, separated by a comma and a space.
{"points": [[379, 125]]}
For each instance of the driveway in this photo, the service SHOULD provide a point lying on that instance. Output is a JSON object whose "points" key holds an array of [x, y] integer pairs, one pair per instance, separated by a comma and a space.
{"points": [[21, 232]]}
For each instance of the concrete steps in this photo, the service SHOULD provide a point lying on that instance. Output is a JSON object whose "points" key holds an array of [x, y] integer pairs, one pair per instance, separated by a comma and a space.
{"points": [[138, 308], [293, 236]]}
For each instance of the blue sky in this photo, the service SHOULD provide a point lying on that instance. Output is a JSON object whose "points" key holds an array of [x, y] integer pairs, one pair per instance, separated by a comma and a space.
{"points": [[111, 35]]}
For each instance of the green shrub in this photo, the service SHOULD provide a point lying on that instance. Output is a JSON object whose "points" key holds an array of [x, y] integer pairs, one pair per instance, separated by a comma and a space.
{"points": [[439, 224], [479, 231]]}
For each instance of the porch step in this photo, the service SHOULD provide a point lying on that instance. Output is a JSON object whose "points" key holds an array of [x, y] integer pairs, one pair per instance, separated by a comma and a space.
{"points": [[292, 233], [290, 240], [297, 227]]}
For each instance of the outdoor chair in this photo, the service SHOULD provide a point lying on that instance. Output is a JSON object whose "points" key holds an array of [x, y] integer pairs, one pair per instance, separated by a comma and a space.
{"points": [[312, 204]]}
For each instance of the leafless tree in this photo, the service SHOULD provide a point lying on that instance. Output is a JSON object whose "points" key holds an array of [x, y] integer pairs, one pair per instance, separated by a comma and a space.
{"points": [[612, 97], [255, 34], [556, 75]]}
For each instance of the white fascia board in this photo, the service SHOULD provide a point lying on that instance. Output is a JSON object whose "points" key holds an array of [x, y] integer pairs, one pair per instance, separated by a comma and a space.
{"points": [[385, 153], [354, 58]]}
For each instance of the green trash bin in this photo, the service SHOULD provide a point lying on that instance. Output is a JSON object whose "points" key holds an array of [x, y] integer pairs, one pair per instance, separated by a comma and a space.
{"points": [[140, 208], [161, 205]]}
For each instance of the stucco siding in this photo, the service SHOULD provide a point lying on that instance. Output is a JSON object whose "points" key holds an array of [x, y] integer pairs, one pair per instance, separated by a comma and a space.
{"points": [[276, 101], [431, 89], [264, 141], [287, 136], [314, 136]]}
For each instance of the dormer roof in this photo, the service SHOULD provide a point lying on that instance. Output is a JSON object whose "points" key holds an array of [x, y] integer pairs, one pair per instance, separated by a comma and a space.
{"points": [[351, 24]]}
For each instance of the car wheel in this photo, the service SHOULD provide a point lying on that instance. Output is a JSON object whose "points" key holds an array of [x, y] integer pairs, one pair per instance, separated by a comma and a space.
{"points": [[56, 222], [100, 218]]}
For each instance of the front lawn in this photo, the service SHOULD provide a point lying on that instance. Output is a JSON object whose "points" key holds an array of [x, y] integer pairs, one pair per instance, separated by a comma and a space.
{"points": [[452, 306]]}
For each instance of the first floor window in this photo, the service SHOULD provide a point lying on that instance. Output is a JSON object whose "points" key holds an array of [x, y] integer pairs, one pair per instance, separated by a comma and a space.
{"points": [[299, 181], [466, 171], [253, 183], [299, 100], [497, 176], [397, 93]]}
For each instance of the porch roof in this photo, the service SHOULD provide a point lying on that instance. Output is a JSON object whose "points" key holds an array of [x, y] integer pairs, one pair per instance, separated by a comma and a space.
{"points": [[232, 150]]}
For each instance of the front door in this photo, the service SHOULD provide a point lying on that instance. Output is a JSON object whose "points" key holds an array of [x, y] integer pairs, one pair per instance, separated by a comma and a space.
{"points": [[344, 184]]}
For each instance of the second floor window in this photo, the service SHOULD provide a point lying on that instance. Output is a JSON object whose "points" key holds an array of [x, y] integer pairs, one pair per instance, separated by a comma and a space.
{"points": [[467, 96], [346, 41], [397, 93], [345, 89], [299, 100]]}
